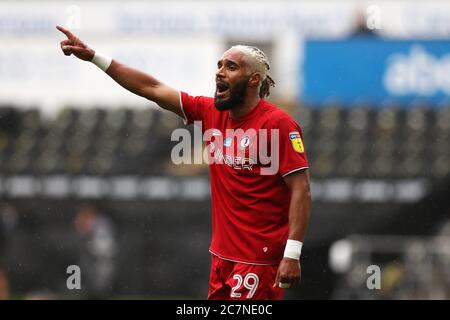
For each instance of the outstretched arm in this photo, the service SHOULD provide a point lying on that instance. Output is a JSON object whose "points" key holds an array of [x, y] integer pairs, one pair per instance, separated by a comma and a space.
{"points": [[289, 270], [131, 79]]}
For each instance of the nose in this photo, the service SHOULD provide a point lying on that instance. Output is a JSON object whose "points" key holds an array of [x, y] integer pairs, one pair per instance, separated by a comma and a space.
{"points": [[220, 73]]}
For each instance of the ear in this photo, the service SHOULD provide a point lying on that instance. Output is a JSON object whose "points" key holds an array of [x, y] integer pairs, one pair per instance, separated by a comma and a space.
{"points": [[254, 80]]}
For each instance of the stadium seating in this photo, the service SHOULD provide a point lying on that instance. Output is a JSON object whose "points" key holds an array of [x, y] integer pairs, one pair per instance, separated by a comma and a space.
{"points": [[361, 142], [367, 142]]}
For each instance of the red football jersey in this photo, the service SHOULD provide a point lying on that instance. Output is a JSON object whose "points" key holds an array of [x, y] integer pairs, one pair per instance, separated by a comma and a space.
{"points": [[248, 160]]}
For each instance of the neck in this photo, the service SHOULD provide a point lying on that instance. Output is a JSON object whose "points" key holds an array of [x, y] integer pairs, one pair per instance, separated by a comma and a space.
{"points": [[248, 105]]}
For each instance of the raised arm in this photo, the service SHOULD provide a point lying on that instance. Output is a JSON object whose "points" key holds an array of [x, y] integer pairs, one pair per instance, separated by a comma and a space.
{"points": [[131, 79]]}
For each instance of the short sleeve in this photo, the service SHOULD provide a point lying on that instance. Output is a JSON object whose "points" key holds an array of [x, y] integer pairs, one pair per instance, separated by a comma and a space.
{"points": [[292, 155], [194, 108]]}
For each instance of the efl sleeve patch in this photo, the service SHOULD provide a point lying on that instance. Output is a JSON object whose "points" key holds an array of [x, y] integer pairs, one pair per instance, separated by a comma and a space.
{"points": [[296, 141]]}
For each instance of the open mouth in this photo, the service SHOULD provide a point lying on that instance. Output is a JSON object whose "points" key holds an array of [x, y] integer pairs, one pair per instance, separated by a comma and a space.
{"points": [[222, 89]]}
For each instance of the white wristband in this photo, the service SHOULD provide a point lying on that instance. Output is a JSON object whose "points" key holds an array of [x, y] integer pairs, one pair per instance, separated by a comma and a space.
{"points": [[293, 249], [101, 61]]}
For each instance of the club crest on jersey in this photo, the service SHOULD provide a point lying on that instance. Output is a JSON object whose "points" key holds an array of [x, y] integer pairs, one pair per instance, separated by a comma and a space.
{"points": [[245, 142], [296, 141]]}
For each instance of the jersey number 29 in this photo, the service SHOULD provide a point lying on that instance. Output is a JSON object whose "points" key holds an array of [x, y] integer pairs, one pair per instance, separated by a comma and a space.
{"points": [[250, 281]]}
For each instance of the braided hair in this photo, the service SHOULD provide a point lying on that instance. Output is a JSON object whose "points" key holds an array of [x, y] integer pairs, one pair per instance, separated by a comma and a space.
{"points": [[261, 64]]}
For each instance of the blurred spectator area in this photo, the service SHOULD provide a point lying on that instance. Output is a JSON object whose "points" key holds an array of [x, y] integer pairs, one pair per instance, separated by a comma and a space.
{"points": [[411, 267], [96, 141], [360, 142], [377, 143], [364, 163]]}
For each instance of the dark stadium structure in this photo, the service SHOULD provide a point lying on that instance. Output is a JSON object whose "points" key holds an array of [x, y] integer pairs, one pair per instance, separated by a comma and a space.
{"points": [[381, 170]]}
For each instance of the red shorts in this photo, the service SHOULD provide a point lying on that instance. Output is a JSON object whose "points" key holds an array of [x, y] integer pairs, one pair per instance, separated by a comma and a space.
{"points": [[240, 281]]}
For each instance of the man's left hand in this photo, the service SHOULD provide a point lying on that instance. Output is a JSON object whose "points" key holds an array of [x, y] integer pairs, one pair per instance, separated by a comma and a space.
{"points": [[288, 275]]}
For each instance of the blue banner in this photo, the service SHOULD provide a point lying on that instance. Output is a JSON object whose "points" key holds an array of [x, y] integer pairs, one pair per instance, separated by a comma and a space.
{"points": [[376, 71]]}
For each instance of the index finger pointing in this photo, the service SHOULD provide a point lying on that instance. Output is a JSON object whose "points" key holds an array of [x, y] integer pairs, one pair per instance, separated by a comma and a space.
{"points": [[65, 31]]}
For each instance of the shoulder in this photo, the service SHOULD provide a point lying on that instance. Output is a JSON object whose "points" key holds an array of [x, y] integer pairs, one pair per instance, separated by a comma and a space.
{"points": [[203, 100], [275, 116], [209, 101]]}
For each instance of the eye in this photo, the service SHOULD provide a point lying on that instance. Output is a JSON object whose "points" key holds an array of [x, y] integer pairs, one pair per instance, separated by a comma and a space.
{"points": [[232, 67]]}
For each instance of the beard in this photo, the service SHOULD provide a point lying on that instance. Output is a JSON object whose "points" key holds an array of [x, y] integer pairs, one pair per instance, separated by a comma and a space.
{"points": [[237, 95]]}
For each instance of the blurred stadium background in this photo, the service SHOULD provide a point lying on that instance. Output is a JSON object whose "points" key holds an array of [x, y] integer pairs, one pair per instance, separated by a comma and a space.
{"points": [[85, 170]]}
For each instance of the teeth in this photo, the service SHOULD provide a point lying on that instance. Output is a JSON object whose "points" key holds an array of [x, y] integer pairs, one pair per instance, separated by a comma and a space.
{"points": [[221, 87]]}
